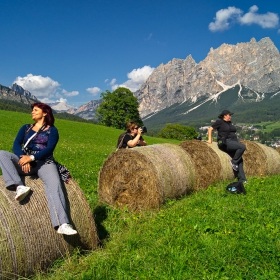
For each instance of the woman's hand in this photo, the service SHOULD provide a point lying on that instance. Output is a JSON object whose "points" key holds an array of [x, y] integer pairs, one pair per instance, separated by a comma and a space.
{"points": [[24, 159], [25, 163], [26, 168]]}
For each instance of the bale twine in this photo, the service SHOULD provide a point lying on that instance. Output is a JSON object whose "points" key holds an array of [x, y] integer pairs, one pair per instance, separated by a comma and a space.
{"points": [[143, 177], [211, 164], [28, 241], [260, 159]]}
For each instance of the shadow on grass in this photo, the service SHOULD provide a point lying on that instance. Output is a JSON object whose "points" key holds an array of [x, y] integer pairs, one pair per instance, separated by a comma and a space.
{"points": [[100, 214]]}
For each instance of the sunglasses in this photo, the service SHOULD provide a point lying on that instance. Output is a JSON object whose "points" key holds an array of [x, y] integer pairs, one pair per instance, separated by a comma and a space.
{"points": [[135, 127]]}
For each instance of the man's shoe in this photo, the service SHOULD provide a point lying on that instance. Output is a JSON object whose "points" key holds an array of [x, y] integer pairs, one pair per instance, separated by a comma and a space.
{"points": [[66, 229], [21, 192], [234, 166]]}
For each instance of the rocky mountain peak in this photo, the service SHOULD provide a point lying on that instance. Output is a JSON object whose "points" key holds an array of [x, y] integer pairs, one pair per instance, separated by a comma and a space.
{"points": [[255, 65], [17, 93], [17, 88]]}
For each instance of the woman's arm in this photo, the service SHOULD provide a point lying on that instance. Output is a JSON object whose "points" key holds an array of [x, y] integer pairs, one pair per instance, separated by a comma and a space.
{"points": [[133, 143], [210, 130], [142, 142], [17, 145]]}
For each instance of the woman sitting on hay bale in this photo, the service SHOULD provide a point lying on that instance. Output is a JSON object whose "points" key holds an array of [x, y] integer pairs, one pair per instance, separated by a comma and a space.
{"points": [[33, 155], [227, 142], [132, 137]]}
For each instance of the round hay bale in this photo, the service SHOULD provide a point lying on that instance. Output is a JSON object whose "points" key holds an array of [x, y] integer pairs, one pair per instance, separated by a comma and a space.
{"points": [[226, 171], [211, 164], [260, 159], [28, 241], [143, 177]]}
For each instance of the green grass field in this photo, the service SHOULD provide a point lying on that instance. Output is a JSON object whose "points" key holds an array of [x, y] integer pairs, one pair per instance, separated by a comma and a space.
{"points": [[210, 234]]}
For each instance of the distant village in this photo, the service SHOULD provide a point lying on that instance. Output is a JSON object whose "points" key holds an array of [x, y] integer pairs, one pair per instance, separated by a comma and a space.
{"points": [[250, 132]]}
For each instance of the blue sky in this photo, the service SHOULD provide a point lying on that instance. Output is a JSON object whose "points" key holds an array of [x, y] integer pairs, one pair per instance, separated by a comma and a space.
{"points": [[73, 50]]}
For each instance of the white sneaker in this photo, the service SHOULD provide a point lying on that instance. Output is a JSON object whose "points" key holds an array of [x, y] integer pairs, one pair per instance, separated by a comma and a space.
{"points": [[66, 229], [21, 192]]}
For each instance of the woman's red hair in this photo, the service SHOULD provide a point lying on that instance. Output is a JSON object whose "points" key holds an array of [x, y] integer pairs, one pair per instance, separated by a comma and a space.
{"points": [[49, 118]]}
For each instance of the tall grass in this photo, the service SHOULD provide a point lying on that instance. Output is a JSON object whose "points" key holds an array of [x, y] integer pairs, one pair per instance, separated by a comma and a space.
{"points": [[210, 234]]}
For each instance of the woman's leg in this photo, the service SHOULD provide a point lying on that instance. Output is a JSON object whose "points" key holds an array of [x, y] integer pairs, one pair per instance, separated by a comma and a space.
{"points": [[11, 170], [238, 149], [241, 174], [54, 193]]}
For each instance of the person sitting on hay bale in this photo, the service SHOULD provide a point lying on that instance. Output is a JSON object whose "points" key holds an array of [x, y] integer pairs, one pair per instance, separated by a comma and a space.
{"points": [[132, 137], [227, 142], [33, 155]]}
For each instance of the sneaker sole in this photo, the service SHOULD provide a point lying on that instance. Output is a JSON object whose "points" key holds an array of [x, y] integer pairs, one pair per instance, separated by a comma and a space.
{"points": [[74, 233], [22, 196]]}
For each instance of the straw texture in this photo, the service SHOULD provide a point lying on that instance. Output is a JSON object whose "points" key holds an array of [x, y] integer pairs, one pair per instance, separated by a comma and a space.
{"points": [[260, 159], [143, 177], [27, 240], [211, 164]]}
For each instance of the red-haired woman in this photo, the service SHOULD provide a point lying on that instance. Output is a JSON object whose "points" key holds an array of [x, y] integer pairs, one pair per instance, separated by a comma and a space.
{"points": [[33, 154]]}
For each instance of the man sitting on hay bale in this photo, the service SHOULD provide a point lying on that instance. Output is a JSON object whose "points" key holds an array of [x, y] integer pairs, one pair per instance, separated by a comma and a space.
{"points": [[228, 143]]}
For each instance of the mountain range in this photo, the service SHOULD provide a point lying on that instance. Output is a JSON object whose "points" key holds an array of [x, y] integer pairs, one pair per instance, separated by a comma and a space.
{"points": [[229, 77], [244, 77]]}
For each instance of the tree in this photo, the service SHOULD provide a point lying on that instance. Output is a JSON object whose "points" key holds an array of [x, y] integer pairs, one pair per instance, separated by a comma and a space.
{"points": [[177, 131], [117, 108]]}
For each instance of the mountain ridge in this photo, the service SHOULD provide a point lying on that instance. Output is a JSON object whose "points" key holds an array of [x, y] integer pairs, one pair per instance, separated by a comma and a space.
{"points": [[255, 65]]}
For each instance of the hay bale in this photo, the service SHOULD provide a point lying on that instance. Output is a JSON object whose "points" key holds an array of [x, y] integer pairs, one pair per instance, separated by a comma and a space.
{"points": [[260, 159], [211, 164], [226, 171], [143, 177], [28, 241]]}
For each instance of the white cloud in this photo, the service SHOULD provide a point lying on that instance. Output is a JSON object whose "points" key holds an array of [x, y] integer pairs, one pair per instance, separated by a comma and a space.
{"points": [[113, 81], [94, 90], [41, 87], [149, 37], [62, 100], [113, 84], [137, 77], [232, 15], [47, 100], [71, 93], [278, 31], [268, 20], [223, 17]]}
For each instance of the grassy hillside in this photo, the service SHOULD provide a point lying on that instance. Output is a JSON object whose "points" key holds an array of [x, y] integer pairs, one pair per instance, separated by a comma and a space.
{"points": [[206, 235], [82, 147]]}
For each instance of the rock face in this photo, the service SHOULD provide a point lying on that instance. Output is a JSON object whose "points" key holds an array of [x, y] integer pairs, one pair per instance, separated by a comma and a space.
{"points": [[17, 93], [86, 111], [255, 65]]}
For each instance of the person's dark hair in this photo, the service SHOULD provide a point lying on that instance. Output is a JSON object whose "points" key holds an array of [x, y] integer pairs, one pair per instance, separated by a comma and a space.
{"points": [[49, 118], [225, 112]]}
